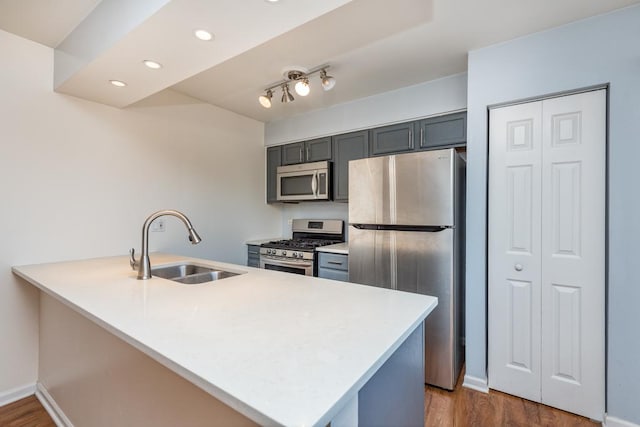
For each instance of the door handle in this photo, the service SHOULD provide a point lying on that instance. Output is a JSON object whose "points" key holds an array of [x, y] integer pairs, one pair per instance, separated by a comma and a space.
{"points": [[314, 184], [518, 267], [300, 154], [411, 139], [421, 137]]}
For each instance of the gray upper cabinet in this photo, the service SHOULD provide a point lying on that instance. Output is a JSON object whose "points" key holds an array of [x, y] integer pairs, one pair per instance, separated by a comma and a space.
{"points": [[317, 150], [442, 131], [293, 153], [346, 147], [274, 157], [392, 139], [314, 150]]}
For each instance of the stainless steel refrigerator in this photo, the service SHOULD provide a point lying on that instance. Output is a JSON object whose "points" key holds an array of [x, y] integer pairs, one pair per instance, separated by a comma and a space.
{"points": [[406, 232]]}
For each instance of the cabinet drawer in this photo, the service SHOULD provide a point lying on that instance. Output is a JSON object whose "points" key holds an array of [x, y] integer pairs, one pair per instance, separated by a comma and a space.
{"points": [[328, 273], [334, 261], [253, 250]]}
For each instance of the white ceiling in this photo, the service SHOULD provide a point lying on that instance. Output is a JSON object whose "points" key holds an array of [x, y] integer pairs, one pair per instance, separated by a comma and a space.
{"points": [[372, 46]]}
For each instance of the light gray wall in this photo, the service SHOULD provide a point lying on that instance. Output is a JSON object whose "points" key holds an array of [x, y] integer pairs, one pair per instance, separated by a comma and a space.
{"points": [[604, 49], [77, 180], [425, 99]]}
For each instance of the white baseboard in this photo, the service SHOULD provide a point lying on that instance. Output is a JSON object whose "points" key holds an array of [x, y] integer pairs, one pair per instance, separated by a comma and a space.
{"points": [[617, 422], [52, 407], [475, 383], [17, 393]]}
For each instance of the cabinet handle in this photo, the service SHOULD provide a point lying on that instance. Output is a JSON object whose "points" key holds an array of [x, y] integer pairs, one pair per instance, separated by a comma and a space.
{"points": [[421, 137], [334, 262], [411, 139], [518, 267], [300, 154]]}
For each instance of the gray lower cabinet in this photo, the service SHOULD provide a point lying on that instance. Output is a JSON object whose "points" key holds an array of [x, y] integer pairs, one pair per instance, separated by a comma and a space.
{"points": [[392, 139], [253, 256], [314, 150], [449, 130], [333, 266], [273, 161], [346, 147]]}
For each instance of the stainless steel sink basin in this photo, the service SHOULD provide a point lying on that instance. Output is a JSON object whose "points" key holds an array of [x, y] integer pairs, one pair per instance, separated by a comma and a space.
{"points": [[191, 274]]}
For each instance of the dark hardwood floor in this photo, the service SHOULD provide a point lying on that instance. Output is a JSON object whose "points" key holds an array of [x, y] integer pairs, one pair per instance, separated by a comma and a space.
{"points": [[460, 408], [465, 407]]}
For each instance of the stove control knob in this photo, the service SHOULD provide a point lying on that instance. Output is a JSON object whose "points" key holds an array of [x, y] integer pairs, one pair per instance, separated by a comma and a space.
{"points": [[269, 251], [284, 253], [295, 254]]}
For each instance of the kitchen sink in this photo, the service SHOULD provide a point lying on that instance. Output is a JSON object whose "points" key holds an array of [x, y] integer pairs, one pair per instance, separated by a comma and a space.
{"points": [[191, 274]]}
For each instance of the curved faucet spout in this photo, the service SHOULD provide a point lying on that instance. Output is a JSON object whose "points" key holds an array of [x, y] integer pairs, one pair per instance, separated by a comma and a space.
{"points": [[144, 271]]}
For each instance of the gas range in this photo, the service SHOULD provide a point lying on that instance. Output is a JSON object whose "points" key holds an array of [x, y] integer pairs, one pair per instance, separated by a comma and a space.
{"points": [[297, 255]]}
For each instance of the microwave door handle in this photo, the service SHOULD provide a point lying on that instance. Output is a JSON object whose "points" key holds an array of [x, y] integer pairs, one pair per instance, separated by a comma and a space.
{"points": [[314, 184]]}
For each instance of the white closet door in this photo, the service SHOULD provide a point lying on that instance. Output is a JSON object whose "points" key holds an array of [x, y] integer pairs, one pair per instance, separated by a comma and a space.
{"points": [[573, 252], [514, 249]]}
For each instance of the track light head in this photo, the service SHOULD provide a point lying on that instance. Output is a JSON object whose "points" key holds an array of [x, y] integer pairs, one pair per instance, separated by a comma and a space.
{"points": [[265, 100], [302, 87], [328, 82], [286, 95]]}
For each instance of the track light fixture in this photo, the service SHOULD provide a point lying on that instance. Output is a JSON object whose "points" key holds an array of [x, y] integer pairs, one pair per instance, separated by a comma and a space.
{"points": [[298, 76]]}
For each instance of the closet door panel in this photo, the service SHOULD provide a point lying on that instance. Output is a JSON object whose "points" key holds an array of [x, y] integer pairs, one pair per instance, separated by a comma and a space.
{"points": [[514, 250], [573, 252]]}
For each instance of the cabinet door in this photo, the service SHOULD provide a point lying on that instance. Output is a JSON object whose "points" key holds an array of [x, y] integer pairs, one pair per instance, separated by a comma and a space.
{"points": [[318, 149], [253, 256], [346, 147], [293, 153], [392, 139], [273, 161], [442, 131]]}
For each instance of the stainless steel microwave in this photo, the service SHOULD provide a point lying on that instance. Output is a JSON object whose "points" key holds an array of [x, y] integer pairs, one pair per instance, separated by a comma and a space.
{"points": [[304, 181]]}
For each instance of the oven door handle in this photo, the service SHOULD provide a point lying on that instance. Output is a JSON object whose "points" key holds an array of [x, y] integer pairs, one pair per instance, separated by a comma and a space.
{"points": [[314, 184], [286, 263]]}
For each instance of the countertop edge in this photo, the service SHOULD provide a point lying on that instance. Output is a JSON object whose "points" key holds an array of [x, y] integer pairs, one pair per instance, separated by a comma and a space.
{"points": [[338, 248]]}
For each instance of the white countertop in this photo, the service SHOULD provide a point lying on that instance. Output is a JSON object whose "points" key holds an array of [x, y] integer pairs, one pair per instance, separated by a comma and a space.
{"points": [[279, 348], [261, 241], [338, 248]]}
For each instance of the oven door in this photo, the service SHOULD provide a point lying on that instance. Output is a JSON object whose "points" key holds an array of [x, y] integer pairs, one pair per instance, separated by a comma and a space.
{"points": [[304, 267]]}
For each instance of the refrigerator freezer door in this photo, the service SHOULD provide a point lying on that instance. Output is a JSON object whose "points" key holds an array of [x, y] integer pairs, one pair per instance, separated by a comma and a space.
{"points": [[420, 262], [406, 189]]}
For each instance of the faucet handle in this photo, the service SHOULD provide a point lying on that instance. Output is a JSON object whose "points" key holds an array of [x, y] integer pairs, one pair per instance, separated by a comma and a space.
{"points": [[132, 262]]}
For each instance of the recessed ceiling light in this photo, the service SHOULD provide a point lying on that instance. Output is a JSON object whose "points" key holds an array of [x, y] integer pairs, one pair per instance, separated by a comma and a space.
{"points": [[203, 35], [152, 64], [117, 83]]}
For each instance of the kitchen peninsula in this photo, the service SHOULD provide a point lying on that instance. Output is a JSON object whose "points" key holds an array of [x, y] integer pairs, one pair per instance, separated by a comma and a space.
{"points": [[261, 347]]}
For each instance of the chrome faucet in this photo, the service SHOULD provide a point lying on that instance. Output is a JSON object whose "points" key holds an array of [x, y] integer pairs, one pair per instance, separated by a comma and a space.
{"points": [[144, 265]]}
